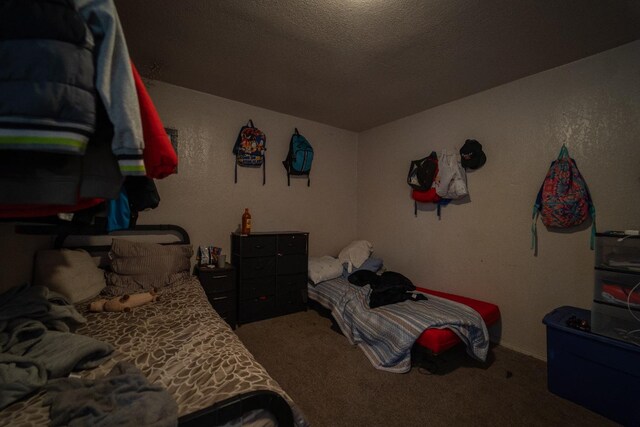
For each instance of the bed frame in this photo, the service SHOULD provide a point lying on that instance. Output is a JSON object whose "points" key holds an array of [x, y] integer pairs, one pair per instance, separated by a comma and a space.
{"points": [[219, 413]]}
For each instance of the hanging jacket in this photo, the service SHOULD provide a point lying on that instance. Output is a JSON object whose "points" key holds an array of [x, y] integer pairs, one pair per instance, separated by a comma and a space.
{"points": [[42, 178], [31, 211], [57, 57], [47, 63], [160, 159]]}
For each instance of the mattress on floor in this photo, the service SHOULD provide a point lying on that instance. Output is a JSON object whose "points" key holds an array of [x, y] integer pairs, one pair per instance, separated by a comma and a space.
{"points": [[386, 334], [439, 340]]}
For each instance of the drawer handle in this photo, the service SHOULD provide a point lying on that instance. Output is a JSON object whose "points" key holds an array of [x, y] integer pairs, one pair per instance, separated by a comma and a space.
{"points": [[218, 277], [262, 298], [258, 246], [219, 298]]}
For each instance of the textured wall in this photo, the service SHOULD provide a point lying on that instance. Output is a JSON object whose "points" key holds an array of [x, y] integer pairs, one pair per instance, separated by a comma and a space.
{"points": [[203, 198], [480, 247], [16, 260]]}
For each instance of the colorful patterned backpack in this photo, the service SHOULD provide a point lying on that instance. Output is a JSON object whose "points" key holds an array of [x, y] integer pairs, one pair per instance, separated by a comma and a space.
{"points": [[250, 148], [563, 200]]}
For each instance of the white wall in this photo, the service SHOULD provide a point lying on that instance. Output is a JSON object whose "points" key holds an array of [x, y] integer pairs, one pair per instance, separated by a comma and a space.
{"points": [[203, 198], [481, 247], [16, 255]]}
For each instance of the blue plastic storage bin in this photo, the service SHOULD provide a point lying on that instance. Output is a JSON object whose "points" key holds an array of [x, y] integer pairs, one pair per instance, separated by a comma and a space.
{"points": [[597, 372]]}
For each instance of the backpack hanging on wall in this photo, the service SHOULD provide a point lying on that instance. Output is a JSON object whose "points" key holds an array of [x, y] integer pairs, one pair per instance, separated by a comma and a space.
{"points": [[422, 172], [299, 158], [423, 179], [563, 200], [250, 148]]}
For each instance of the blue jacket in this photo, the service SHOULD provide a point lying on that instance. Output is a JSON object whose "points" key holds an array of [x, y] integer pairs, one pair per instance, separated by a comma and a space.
{"points": [[59, 58], [65, 63]]}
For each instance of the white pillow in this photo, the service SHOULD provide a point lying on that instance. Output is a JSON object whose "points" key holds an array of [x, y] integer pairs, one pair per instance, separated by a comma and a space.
{"points": [[324, 268], [72, 273], [355, 253]]}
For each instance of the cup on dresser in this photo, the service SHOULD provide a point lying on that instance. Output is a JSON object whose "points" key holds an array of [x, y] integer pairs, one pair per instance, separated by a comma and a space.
{"points": [[222, 259]]}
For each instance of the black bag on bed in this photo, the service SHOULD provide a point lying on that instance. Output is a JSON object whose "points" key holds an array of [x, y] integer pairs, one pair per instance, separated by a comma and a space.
{"points": [[364, 277], [388, 288]]}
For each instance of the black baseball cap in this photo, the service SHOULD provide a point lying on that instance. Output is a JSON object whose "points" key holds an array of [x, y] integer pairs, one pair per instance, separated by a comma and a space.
{"points": [[471, 155]]}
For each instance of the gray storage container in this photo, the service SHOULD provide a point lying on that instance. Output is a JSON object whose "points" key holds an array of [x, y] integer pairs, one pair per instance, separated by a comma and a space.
{"points": [[615, 311]]}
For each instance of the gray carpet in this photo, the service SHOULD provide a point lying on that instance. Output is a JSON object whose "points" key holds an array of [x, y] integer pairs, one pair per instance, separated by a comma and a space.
{"points": [[335, 384]]}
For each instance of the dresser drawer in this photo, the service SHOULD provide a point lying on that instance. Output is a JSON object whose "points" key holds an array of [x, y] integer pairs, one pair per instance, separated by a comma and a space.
{"points": [[257, 246], [292, 264], [222, 303], [292, 300], [258, 267], [291, 282], [253, 288], [216, 282], [292, 244], [257, 308]]}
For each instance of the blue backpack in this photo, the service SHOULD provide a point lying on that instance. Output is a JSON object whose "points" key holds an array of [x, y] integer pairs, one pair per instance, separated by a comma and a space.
{"points": [[299, 158]]}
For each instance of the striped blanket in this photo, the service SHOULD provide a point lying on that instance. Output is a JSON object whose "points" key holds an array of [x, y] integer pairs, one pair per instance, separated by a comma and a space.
{"points": [[386, 334]]}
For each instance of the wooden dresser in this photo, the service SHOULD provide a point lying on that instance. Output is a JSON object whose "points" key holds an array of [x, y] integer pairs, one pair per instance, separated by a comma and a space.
{"points": [[271, 273]]}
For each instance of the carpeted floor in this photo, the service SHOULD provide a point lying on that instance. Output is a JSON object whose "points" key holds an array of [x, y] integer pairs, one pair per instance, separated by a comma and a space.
{"points": [[335, 384]]}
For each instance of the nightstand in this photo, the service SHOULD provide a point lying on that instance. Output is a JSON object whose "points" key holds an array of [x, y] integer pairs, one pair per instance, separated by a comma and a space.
{"points": [[220, 286]]}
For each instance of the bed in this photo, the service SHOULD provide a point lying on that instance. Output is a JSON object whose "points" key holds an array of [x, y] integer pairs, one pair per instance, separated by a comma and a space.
{"points": [[437, 341], [182, 344], [387, 334]]}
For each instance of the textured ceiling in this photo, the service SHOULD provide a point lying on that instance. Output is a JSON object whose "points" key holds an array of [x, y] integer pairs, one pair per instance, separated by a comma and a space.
{"points": [[356, 64]]}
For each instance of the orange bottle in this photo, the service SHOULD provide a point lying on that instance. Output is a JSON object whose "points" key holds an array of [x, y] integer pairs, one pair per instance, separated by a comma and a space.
{"points": [[246, 222]]}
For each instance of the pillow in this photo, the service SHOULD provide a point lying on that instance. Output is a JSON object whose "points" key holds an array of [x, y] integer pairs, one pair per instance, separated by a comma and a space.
{"points": [[371, 264], [355, 253], [72, 273], [138, 258], [129, 248], [118, 285], [324, 268]]}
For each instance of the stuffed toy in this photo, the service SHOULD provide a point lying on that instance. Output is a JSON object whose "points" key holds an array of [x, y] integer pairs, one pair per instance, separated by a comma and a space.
{"points": [[123, 303]]}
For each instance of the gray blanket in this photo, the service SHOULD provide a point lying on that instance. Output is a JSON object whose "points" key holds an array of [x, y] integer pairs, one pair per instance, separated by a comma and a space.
{"points": [[36, 343], [122, 397]]}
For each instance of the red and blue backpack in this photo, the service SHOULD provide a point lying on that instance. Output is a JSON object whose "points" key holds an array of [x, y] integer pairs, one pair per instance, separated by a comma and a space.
{"points": [[250, 148], [564, 200]]}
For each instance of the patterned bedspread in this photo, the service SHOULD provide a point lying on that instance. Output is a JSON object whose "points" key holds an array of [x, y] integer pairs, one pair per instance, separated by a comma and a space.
{"points": [[386, 334], [179, 342]]}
